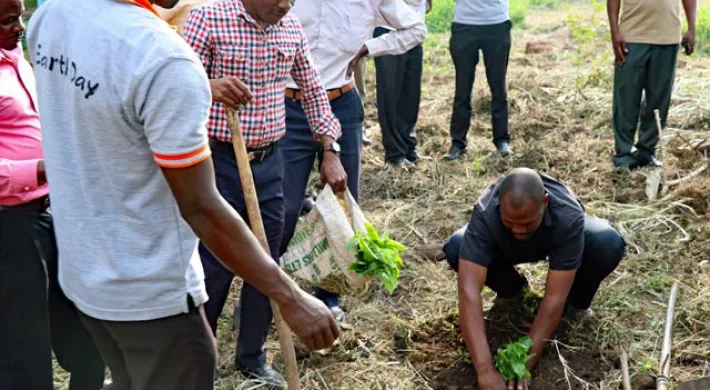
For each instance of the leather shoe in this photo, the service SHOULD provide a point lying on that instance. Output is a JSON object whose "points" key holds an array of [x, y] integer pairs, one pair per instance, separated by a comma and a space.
{"points": [[646, 159], [653, 162], [308, 204], [271, 378], [503, 149], [401, 163], [455, 153]]}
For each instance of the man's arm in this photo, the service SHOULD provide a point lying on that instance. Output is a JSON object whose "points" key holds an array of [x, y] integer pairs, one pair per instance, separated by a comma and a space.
{"points": [[617, 39], [17, 175], [410, 29], [197, 33], [173, 103], [229, 238], [565, 259], [474, 257], [324, 125], [550, 312], [690, 7], [471, 280]]}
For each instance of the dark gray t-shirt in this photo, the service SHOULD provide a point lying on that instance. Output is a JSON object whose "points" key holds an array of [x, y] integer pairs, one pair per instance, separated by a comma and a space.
{"points": [[560, 237]]}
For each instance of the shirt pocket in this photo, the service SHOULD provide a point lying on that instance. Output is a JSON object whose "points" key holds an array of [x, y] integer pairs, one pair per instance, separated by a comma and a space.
{"points": [[284, 56], [234, 61]]}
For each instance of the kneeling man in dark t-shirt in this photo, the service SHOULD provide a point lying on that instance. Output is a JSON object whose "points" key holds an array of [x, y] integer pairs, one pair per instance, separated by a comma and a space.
{"points": [[522, 218]]}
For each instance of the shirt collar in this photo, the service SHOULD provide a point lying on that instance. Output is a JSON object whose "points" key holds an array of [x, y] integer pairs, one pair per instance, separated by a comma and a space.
{"points": [[12, 56]]}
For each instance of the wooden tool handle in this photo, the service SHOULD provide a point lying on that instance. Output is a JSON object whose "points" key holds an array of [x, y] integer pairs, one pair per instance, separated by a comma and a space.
{"points": [[661, 157], [257, 226]]}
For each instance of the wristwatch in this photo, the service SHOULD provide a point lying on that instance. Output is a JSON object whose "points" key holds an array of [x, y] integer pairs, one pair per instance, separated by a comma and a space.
{"points": [[334, 147]]}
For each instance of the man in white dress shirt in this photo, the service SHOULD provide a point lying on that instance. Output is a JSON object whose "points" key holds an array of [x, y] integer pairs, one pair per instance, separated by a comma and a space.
{"points": [[340, 36], [399, 84]]}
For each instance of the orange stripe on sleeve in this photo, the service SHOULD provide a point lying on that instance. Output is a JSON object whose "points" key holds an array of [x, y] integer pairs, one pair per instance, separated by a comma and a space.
{"points": [[175, 157], [183, 164]]}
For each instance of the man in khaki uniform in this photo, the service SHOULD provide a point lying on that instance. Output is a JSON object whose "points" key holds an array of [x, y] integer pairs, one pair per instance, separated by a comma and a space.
{"points": [[645, 37]]}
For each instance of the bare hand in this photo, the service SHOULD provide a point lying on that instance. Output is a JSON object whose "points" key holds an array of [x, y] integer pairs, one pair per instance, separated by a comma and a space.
{"points": [[620, 50], [230, 91], [688, 42], [490, 379], [358, 57], [311, 321], [41, 174], [332, 172]]}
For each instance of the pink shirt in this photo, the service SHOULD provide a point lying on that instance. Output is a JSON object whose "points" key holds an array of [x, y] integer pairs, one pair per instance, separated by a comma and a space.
{"points": [[20, 138]]}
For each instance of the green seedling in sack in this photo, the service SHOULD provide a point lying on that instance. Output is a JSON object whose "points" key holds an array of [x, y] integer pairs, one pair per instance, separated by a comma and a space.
{"points": [[377, 256], [512, 360]]}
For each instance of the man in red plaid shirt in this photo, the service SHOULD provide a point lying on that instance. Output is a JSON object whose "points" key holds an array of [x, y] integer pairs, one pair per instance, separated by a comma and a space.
{"points": [[249, 48]]}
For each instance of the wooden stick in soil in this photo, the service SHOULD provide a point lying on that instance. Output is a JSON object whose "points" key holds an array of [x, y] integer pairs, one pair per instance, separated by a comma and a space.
{"points": [[625, 380], [664, 181], [663, 380], [257, 226]]}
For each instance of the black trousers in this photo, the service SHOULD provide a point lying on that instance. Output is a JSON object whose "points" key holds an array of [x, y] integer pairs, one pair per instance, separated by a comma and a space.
{"points": [[603, 250], [465, 44], [177, 352], [31, 300], [399, 84], [255, 308]]}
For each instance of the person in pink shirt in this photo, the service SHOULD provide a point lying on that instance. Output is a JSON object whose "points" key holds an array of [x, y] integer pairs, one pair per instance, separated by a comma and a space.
{"points": [[29, 293]]}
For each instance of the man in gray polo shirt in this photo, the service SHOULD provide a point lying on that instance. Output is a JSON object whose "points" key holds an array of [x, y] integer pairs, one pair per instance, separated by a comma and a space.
{"points": [[126, 101], [480, 26], [525, 217]]}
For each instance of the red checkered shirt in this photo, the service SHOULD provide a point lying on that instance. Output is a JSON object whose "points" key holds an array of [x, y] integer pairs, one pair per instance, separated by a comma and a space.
{"points": [[231, 43]]}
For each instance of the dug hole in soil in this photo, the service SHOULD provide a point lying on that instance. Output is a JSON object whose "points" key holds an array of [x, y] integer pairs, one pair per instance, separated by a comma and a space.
{"points": [[439, 343]]}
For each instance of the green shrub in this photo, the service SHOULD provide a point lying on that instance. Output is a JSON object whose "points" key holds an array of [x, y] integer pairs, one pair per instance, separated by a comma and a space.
{"points": [[544, 3], [702, 33], [440, 18], [517, 11]]}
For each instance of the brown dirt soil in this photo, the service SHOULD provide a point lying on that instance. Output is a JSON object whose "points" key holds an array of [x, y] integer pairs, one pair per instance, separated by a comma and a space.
{"points": [[440, 355]]}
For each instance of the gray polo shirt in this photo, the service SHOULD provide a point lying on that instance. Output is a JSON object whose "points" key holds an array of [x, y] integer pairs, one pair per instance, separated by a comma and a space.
{"points": [[481, 12], [121, 96], [560, 237]]}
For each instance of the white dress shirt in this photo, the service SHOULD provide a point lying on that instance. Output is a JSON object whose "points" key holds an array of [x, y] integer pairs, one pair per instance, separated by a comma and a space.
{"points": [[337, 29]]}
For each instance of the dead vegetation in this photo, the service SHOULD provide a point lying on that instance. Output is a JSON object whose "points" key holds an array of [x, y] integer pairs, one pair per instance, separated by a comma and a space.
{"points": [[411, 341]]}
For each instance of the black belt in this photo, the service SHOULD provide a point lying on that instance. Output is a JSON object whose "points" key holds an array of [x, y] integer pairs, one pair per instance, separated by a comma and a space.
{"points": [[254, 154], [37, 206]]}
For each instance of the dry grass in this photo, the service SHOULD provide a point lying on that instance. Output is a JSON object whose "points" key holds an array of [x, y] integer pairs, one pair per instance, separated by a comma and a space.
{"points": [[567, 134]]}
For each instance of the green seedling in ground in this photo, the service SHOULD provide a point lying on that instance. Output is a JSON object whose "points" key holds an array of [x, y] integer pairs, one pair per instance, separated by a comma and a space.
{"points": [[377, 256], [512, 360]]}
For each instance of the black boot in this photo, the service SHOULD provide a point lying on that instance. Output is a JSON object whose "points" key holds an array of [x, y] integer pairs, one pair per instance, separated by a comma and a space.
{"points": [[455, 153]]}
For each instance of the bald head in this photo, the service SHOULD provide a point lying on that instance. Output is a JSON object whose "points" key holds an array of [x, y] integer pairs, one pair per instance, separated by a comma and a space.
{"points": [[522, 185], [523, 201]]}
